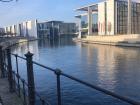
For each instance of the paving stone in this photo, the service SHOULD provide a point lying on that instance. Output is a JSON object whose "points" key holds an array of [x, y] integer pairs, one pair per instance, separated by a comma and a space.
{"points": [[7, 97]]}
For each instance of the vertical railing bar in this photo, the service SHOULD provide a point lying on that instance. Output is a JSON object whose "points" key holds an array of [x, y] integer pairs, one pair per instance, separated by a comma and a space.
{"points": [[4, 63], [14, 80], [30, 75], [10, 76], [6, 67], [1, 62], [24, 93], [42, 102], [58, 73], [17, 70]]}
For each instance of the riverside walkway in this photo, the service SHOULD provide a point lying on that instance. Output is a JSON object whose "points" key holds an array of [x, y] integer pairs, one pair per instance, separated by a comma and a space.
{"points": [[7, 97]]}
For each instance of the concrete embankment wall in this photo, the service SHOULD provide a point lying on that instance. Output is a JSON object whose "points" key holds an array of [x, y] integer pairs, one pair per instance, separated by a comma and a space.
{"points": [[116, 38], [10, 42], [121, 40], [7, 42]]}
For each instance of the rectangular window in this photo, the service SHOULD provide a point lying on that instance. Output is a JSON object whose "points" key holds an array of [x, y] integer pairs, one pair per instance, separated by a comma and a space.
{"points": [[122, 14]]}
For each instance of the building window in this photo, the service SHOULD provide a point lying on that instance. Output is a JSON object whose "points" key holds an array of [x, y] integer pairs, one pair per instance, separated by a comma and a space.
{"points": [[84, 21], [95, 23], [122, 17]]}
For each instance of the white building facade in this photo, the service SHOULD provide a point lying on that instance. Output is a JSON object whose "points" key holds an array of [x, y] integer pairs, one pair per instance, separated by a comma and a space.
{"points": [[25, 29], [110, 17]]}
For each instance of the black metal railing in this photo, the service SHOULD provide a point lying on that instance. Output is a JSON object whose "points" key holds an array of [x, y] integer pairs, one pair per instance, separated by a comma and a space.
{"points": [[26, 90]]}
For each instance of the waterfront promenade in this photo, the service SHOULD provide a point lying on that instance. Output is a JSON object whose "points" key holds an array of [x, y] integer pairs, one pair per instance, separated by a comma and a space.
{"points": [[7, 97]]}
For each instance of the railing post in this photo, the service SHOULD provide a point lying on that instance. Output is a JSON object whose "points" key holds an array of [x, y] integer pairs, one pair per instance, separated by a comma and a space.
{"points": [[30, 75], [10, 76], [58, 73], [42, 102], [5, 63], [16, 56], [24, 92], [1, 63]]}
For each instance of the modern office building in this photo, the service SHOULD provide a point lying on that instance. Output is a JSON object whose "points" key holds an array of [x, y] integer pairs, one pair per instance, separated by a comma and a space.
{"points": [[36, 29], [25, 29], [110, 17], [53, 29], [1, 30]]}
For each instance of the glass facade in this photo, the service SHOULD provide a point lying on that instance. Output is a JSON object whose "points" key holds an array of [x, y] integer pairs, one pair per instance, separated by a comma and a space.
{"points": [[94, 23], [84, 21], [136, 18], [122, 17]]}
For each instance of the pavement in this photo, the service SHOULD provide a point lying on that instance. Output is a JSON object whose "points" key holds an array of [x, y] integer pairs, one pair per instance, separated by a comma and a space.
{"points": [[8, 98]]}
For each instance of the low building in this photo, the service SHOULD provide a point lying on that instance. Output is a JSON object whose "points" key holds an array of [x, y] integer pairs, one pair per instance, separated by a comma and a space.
{"points": [[54, 29], [110, 17]]}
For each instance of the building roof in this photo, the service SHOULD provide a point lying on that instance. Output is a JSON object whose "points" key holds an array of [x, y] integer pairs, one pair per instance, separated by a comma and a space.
{"points": [[51, 21], [95, 8], [85, 8], [55, 21]]}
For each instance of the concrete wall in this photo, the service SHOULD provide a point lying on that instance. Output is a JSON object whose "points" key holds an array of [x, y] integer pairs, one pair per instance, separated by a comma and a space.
{"points": [[17, 30], [101, 18], [14, 29], [32, 28], [106, 17], [110, 17], [133, 38], [26, 29]]}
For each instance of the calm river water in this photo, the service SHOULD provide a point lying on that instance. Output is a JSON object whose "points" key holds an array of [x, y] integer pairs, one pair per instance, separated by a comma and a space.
{"points": [[114, 68]]}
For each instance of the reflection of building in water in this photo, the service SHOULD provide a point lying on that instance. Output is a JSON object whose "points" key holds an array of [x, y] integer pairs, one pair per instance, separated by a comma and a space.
{"points": [[110, 60], [33, 47], [60, 42], [106, 65], [23, 48]]}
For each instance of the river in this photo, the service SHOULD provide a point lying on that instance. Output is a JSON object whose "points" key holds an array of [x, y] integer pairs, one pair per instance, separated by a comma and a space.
{"points": [[111, 67]]}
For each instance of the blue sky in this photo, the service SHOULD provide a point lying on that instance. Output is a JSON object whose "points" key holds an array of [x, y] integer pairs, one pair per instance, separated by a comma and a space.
{"points": [[63, 10], [14, 12]]}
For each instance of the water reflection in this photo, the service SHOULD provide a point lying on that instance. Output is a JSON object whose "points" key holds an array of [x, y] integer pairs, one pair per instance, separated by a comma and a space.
{"points": [[23, 48], [117, 67], [113, 68], [64, 41]]}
